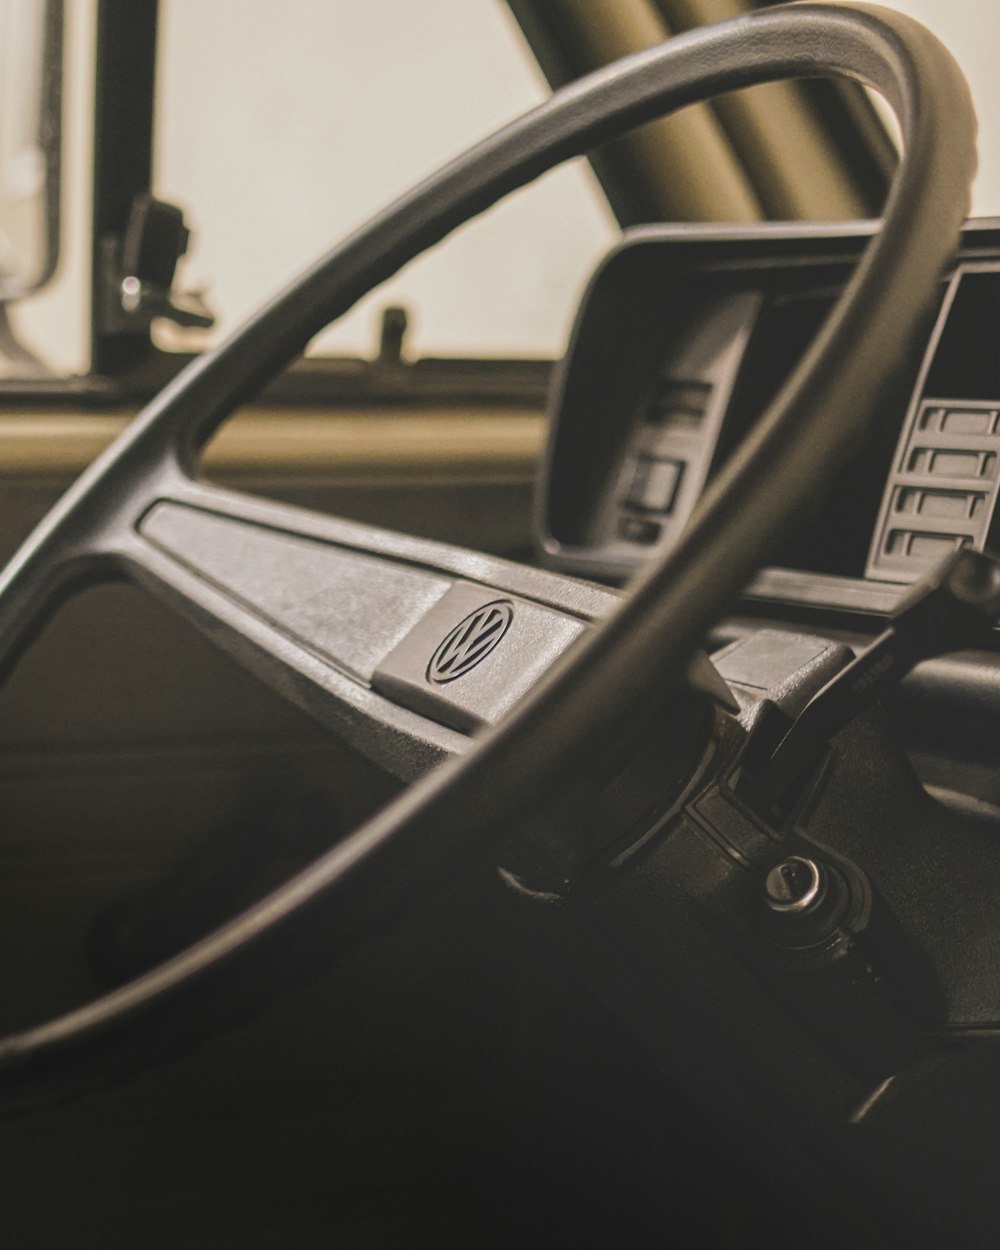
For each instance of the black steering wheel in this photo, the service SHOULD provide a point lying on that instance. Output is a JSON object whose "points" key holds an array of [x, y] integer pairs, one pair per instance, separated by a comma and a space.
{"points": [[416, 644]]}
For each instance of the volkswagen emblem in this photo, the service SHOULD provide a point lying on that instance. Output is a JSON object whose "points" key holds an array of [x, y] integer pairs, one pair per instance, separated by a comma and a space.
{"points": [[470, 642]]}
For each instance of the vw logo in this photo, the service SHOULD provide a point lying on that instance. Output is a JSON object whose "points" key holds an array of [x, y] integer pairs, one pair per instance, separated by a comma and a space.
{"points": [[470, 642]]}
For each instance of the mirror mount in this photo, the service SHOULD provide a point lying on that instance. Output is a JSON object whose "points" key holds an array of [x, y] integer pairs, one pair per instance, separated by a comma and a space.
{"points": [[138, 271]]}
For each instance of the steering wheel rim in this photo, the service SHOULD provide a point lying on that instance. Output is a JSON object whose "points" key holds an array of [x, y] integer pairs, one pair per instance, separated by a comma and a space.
{"points": [[587, 696]]}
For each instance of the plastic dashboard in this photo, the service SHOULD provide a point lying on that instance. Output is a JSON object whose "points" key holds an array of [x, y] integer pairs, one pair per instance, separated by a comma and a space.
{"points": [[684, 335]]}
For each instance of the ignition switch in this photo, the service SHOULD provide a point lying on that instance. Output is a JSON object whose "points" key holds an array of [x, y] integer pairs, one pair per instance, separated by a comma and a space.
{"points": [[805, 902], [795, 886]]}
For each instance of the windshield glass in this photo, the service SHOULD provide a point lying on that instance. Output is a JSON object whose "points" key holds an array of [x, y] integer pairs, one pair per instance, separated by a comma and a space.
{"points": [[971, 30], [280, 134]]}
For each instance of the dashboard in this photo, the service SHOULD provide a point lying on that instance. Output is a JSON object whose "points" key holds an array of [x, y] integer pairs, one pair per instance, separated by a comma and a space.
{"points": [[686, 333]]}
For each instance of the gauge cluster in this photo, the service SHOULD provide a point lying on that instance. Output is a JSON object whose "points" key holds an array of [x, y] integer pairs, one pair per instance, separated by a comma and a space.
{"points": [[684, 336]]}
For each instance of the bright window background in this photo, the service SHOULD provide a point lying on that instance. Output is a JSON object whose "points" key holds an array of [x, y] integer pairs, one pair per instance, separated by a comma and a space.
{"points": [[279, 135], [971, 30], [282, 127]]}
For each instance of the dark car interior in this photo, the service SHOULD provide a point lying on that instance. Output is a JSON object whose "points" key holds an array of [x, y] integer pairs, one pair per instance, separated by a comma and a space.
{"points": [[426, 823]]}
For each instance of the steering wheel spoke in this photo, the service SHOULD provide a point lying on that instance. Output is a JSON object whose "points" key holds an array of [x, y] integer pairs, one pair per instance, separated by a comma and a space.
{"points": [[356, 625]]}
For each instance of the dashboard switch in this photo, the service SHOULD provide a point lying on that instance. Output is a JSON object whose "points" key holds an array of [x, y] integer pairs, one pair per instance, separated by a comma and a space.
{"points": [[636, 529], [654, 486]]}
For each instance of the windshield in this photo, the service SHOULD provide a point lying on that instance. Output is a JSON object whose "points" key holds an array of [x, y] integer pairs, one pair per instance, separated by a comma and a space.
{"points": [[280, 137], [971, 30]]}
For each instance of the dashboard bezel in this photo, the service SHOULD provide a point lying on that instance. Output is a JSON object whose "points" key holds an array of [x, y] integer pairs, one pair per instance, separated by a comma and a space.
{"points": [[694, 253]]}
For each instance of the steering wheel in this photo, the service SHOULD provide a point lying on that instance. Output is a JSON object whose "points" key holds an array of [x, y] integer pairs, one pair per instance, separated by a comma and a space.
{"points": [[417, 644]]}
